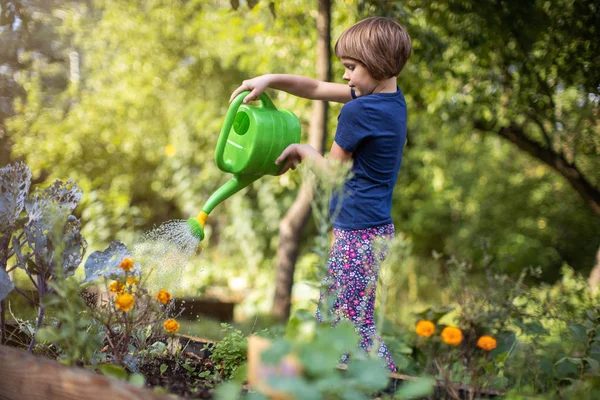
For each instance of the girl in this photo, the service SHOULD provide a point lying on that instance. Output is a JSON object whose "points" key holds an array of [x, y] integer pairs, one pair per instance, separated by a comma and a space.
{"points": [[371, 133]]}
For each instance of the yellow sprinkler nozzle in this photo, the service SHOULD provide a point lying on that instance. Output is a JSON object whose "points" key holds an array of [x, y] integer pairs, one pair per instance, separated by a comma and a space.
{"points": [[197, 225]]}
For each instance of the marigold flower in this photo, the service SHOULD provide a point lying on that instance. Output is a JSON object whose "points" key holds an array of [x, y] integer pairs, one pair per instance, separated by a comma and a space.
{"points": [[116, 287], [132, 280], [452, 335], [171, 325], [124, 301], [486, 343], [425, 328], [164, 296], [126, 264]]}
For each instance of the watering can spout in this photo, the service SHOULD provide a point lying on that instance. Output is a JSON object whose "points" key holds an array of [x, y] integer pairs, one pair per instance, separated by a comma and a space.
{"points": [[230, 188]]}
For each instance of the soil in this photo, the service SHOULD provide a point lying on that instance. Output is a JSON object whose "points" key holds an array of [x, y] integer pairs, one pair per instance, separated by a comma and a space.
{"points": [[189, 376]]}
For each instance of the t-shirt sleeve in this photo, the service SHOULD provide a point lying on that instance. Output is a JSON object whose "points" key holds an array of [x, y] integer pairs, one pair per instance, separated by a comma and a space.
{"points": [[352, 126]]}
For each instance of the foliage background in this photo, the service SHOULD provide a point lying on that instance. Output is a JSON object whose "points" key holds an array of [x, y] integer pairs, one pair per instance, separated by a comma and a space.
{"points": [[127, 98]]}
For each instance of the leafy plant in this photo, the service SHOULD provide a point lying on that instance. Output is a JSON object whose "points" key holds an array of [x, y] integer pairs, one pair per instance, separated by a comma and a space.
{"points": [[541, 337], [75, 331], [230, 352], [44, 242], [317, 348]]}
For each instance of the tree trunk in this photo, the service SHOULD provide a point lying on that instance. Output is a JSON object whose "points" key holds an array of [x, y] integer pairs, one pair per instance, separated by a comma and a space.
{"points": [[291, 226], [594, 279]]}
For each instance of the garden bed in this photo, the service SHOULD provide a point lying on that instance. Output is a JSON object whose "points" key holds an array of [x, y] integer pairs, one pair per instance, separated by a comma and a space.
{"points": [[24, 375]]}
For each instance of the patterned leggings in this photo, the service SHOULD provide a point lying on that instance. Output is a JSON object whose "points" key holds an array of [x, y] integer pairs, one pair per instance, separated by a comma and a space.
{"points": [[353, 271]]}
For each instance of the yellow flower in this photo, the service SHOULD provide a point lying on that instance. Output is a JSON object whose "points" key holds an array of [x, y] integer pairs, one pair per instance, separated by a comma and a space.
{"points": [[132, 280], [486, 342], [126, 264], [116, 287], [170, 150], [171, 325], [452, 335], [425, 328], [164, 296], [124, 301]]}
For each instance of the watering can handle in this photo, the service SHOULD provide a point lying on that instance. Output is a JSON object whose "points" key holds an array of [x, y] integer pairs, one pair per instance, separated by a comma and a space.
{"points": [[229, 118]]}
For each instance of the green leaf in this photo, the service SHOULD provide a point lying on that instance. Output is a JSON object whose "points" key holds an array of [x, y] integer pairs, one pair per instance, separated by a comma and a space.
{"points": [[341, 338], [163, 368], [6, 285], [594, 364], [228, 391], [47, 334], [241, 373], [298, 387], [536, 328], [137, 380], [113, 371], [566, 369], [579, 333], [370, 375], [276, 352], [416, 390], [318, 359]]}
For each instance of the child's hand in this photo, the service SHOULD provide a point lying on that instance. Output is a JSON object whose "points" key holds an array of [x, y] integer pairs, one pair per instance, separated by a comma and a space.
{"points": [[256, 85], [293, 155]]}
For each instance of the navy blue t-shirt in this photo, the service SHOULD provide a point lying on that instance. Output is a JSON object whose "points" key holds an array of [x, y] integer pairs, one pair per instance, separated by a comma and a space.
{"points": [[373, 128]]}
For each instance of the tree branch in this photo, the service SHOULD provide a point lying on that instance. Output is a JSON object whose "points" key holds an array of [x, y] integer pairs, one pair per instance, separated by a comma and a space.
{"points": [[590, 194]]}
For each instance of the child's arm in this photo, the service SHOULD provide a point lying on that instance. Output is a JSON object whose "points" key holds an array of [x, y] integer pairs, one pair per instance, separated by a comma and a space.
{"points": [[294, 154], [297, 85]]}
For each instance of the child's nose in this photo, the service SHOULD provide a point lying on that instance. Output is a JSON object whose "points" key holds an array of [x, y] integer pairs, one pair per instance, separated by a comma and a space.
{"points": [[346, 77]]}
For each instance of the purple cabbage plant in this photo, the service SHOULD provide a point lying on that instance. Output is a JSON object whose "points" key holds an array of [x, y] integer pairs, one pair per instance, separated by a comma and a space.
{"points": [[38, 234]]}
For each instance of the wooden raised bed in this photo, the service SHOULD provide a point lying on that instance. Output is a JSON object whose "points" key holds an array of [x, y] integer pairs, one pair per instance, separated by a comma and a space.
{"points": [[193, 307], [25, 376]]}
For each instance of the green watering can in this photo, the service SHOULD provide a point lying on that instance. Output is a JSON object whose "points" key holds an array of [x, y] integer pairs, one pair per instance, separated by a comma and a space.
{"points": [[250, 141]]}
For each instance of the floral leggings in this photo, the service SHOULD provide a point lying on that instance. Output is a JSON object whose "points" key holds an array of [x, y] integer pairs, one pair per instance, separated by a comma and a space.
{"points": [[353, 271]]}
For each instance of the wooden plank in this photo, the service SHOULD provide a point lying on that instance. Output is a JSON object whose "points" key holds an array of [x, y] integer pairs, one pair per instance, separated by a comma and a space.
{"points": [[192, 307], [24, 376]]}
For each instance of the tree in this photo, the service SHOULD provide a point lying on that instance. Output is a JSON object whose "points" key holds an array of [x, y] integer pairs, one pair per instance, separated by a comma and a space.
{"points": [[27, 36], [525, 71]]}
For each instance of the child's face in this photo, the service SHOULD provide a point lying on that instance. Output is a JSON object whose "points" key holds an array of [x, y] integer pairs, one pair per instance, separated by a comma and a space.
{"points": [[358, 77]]}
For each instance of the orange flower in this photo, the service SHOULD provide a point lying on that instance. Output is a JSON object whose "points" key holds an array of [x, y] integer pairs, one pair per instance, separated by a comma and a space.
{"points": [[116, 287], [132, 280], [425, 328], [452, 335], [164, 296], [486, 343], [171, 325], [124, 301], [126, 264]]}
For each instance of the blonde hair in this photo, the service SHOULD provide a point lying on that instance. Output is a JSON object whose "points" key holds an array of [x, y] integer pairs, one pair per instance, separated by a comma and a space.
{"points": [[381, 44]]}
